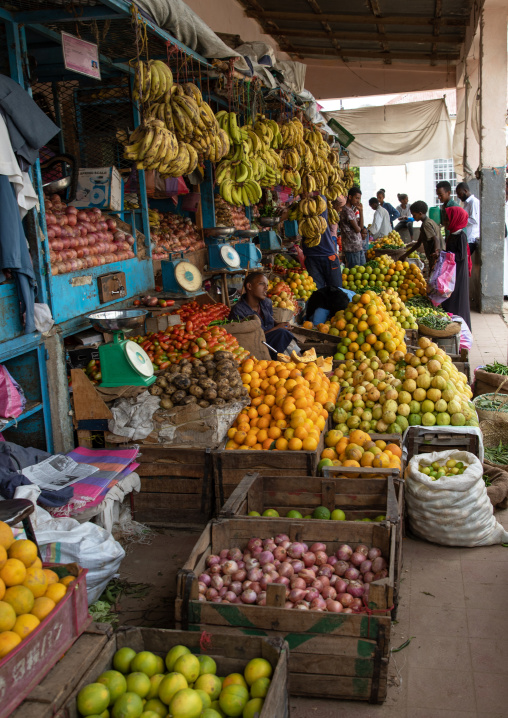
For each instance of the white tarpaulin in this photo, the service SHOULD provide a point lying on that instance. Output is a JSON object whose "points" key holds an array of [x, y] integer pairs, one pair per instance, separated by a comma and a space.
{"points": [[396, 134]]}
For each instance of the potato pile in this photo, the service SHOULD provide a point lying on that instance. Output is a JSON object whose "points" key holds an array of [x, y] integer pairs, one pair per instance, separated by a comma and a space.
{"points": [[215, 379]]}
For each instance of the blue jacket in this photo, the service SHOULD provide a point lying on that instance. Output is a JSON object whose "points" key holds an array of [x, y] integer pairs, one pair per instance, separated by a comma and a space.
{"points": [[394, 214], [242, 310]]}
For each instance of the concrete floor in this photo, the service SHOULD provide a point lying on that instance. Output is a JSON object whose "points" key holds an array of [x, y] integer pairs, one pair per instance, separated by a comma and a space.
{"points": [[452, 605]]}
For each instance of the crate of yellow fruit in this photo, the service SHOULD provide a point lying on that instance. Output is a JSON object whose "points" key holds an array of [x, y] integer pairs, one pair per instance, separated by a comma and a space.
{"points": [[281, 431], [43, 610]]}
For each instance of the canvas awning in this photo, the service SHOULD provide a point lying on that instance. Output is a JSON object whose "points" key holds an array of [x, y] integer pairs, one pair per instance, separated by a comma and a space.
{"points": [[395, 134]]}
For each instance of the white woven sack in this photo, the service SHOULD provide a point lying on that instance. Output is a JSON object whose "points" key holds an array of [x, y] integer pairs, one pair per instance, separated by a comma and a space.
{"points": [[454, 510]]}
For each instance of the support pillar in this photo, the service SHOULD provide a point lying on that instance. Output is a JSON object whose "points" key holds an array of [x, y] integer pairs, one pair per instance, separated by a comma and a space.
{"points": [[493, 96], [61, 421]]}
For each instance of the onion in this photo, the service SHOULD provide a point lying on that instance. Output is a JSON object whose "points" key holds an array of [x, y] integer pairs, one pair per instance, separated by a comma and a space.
{"points": [[297, 582], [248, 596], [266, 557], [255, 574], [311, 594], [321, 558], [333, 606], [340, 586], [296, 594], [329, 592], [211, 593], [285, 569], [217, 582], [254, 543], [341, 567], [378, 564], [235, 555], [365, 566], [344, 552], [223, 591], [301, 606], [332, 560], [368, 576], [202, 587], [317, 547], [362, 548], [356, 589], [217, 599], [357, 604], [325, 570], [269, 567], [380, 574], [309, 558], [346, 599], [230, 567], [280, 538], [318, 585], [269, 544], [374, 553], [229, 596], [297, 565], [347, 610], [318, 604], [352, 574], [216, 568], [357, 558], [279, 553], [111, 224], [308, 575], [227, 580], [296, 550], [255, 586], [236, 587], [282, 580]]}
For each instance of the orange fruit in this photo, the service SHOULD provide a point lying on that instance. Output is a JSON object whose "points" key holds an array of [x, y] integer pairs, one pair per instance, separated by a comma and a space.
{"points": [[20, 598], [281, 444], [56, 591], [36, 581], [301, 433], [51, 576], [67, 580], [240, 437], [2, 589], [7, 616], [6, 535], [3, 556], [24, 550], [396, 450], [381, 461], [328, 453], [42, 607], [25, 624], [295, 444], [267, 444], [13, 573], [310, 443], [36, 564], [8, 641]]}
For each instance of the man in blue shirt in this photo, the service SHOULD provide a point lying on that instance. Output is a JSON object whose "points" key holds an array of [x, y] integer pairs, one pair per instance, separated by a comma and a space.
{"points": [[255, 302], [380, 194]]}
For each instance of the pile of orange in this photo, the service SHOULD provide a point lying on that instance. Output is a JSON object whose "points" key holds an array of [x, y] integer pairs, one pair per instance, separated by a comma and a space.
{"points": [[289, 406], [28, 592], [367, 330], [359, 450]]}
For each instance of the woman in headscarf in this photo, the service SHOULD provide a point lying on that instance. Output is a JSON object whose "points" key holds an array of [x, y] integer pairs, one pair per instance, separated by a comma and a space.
{"points": [[458, 302]]}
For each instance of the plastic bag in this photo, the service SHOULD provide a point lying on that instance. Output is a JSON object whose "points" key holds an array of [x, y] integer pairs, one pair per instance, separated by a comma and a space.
{"points": [[466, 338], [442, 279], [43, 318], [12, 398], [453, 510]]}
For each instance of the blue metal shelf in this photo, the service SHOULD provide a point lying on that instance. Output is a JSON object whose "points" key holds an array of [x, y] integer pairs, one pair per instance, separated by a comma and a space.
{"points": [[33, 407]]}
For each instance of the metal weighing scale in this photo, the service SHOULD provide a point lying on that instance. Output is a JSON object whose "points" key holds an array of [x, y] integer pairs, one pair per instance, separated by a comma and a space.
{"points": [[123, 362], [250, 255], [181, 277], [269, 240], [220, 254]]}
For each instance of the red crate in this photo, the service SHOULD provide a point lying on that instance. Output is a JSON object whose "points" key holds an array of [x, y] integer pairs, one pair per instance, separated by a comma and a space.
{"points": [[24, 667]]}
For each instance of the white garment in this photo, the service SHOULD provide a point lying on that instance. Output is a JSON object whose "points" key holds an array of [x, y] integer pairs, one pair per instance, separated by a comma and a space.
{"points": [[404, 213], [25, 193], [472, 207], [381, 225]]}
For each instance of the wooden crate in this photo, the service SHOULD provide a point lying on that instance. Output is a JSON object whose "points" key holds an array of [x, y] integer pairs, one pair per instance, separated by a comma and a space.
{"points": [[176, 486], [229, 466], [331, 655], [55, 697], [424, 440]]}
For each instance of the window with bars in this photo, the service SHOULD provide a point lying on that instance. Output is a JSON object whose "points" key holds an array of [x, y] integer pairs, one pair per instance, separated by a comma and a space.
{"points": [[443, 170]]}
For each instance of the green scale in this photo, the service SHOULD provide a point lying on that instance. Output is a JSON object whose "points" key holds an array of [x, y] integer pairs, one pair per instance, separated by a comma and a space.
{"points": [[123, 362]]}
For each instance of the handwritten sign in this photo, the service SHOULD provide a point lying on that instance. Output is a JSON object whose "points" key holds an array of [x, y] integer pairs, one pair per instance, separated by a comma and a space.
{"points": [[81, 56]]}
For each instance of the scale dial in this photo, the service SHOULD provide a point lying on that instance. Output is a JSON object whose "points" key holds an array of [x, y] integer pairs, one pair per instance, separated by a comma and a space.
{"points": [[230, 256], [188, 276], [138, 359]]}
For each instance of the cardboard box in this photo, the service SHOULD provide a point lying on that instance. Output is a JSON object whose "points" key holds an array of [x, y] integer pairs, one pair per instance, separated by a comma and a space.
{"points": [[99, 187]]}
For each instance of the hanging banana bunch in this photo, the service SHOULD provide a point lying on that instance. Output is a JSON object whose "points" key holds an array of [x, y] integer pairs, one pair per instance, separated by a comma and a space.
{"points": [[152, 80], [151, 145], [333, 216]]}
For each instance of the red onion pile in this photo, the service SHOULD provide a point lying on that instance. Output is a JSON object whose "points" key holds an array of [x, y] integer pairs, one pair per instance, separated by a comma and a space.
{"points": [[83, 238], [174, 233], [314, 580]]}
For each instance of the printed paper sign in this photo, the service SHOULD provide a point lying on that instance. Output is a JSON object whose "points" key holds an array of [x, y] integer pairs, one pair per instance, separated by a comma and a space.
{"points": [[81, 56]]}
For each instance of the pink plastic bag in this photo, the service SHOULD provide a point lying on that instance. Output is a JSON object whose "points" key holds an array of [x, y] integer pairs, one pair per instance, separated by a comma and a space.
{"points": [[12, 398], [442, 279]]}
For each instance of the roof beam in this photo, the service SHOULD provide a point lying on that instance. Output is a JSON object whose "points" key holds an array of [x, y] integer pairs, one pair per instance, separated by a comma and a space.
{"points": [[351, 19], [328, 30], [437, 15], [371, 36], [270, 28], [404, 55], [376, 10]]}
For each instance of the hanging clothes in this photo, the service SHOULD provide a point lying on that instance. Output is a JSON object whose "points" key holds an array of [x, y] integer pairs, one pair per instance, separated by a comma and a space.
{"points": [[28, 126], [14, 254], [9, 166]]}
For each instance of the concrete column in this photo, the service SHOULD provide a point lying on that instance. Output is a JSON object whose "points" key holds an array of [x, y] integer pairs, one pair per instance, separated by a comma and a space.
{"points": [[61, 421], [493, 95]]}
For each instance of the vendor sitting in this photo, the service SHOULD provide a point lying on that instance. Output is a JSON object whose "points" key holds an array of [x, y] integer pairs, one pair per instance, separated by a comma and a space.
{"points": [[254, 301]]}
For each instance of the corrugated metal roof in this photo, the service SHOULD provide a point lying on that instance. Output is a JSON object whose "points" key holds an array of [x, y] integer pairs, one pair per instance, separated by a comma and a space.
{"points": [[419, 31]]}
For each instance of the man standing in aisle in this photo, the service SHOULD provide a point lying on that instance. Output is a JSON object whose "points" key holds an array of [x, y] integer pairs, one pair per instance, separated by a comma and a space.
{"points": [[429, 238], [472, 206], [380, 226], [444, 193], [351, 229]]}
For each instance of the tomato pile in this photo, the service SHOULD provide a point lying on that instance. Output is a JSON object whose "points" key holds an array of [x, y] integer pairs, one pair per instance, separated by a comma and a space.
{"points": [[183, 341], [200, 315]]}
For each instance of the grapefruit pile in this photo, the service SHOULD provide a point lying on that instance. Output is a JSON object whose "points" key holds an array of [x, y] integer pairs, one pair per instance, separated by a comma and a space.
{"points": [[384, 273], [289, 406], [301, 283], [28, 592], [424, 388], [144, 685], [359, 450], [366, 329], [396, 309]]}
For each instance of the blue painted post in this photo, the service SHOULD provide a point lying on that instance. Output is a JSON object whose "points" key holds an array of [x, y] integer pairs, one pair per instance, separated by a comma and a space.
{"points": [[142, 183], [14, 52], [46, 411], [207, 197]]}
